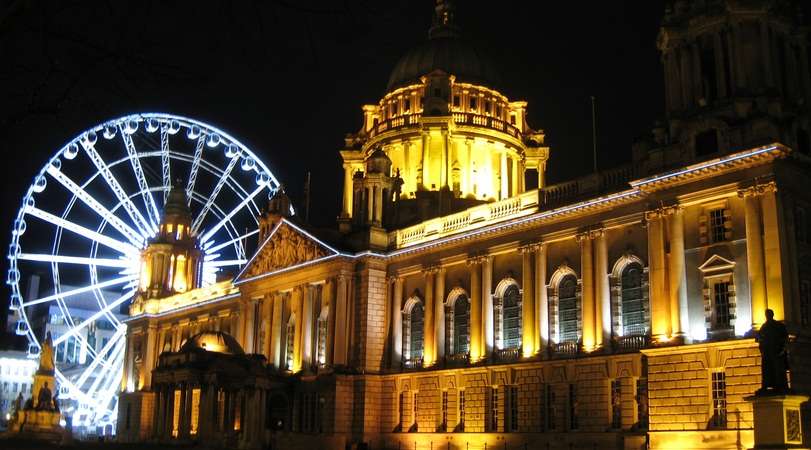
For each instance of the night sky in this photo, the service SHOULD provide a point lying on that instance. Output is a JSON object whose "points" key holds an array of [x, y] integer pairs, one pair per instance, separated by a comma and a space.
{"points": [[288, 77]]}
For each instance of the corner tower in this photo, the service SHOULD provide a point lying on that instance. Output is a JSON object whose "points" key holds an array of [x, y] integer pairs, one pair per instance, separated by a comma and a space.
{"points": [[451, 137], [172, 261], [736, 75]]}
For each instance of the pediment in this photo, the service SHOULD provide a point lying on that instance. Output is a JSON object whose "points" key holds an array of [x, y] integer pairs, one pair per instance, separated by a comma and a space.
{"points": [[286, 247], [716, 262]]}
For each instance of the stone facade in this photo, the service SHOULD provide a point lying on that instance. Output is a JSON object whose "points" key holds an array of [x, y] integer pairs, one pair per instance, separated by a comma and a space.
{"points": [[612, 311]]}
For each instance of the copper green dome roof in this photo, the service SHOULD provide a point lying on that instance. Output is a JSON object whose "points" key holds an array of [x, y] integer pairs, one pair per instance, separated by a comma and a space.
{"points": [[447, 51], [177, 204], [213, 341], [452, 55]]}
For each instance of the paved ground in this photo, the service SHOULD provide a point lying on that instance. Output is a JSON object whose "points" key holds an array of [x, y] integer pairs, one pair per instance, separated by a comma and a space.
{"points": [[18, 444]]}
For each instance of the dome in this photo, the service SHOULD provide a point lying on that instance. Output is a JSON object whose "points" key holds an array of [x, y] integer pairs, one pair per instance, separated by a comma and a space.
{"points": [[452, 55], [177, 203], [213, 341]]}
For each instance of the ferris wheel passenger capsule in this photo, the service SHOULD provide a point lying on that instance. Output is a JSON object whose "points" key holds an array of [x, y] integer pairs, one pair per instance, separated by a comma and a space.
{"points": [[40, 183], [109, 132], [71, 151], [16, 302], [131, 126], [174, 127], [33, 351], [56, 163], [21, 329], [213, 140], [13, 276], [248, 163], [90, 138], [20, 225], [151, 125], [262, 179], [231, 151], [194, 132], [14, 250]]}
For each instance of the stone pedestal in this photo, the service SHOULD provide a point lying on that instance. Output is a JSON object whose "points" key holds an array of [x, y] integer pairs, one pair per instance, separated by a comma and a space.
{"points": [[777, 421]]}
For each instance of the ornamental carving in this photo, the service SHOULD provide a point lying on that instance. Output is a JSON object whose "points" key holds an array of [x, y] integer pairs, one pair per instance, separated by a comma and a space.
{"points": [[287, 247]]}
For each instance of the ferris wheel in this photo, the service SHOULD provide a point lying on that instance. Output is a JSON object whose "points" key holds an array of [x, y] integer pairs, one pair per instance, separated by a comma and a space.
{"points": [[88, 214]]}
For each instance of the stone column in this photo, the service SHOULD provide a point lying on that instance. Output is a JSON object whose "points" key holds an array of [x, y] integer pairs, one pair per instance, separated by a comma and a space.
{"points": [[425, 162], [439, 314], [602, 290], [515, 184], [428, 352], [378, 219], [487, 305], [503, 174], [348, 183], [471, 179], [443, 164], [276, 331], [341, 321], [772, 251], [397, 323], [329, 300], [587, 293], [541, 299], [181, 422], [476, 351], [659, 300], [307, 327], [370, 203], [296, 305], [677, 273], [527, 301], [149, 355]]}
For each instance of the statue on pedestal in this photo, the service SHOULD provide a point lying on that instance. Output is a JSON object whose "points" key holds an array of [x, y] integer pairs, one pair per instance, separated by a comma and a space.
{"points": [[44, 398], [772, 339]]}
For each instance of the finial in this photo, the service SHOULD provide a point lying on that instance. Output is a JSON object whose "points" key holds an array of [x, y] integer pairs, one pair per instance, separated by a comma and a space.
{"points": [[443, 25]]}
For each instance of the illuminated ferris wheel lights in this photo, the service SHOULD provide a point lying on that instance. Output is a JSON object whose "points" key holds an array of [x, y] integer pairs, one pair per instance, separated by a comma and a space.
{"points": [[213, 140], [56, 163], [19, 226], [109, 132], [71, 151], [90, 138], [15, 303], [174, 127], [262, 179], [13, 250], [13, 276], [33, 351]]}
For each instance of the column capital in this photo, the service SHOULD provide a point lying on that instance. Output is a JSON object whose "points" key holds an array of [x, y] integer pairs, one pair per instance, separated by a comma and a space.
{"points": [[582, 236], [477, 259], [530, 247], [432, 269], [663, 211], [597, 233], [393, 278], [758, 189]]}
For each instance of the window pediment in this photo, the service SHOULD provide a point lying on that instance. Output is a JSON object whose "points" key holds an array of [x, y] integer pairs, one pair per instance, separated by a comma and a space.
{"points": [[716, 263]]}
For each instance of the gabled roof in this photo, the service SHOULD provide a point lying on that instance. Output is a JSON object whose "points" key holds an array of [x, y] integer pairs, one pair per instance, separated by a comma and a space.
{"points": [[287, 247]]}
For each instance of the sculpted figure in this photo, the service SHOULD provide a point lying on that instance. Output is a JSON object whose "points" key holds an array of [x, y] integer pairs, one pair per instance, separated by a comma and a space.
{"points": [[44, 398], [46, 355], [772, 339]]}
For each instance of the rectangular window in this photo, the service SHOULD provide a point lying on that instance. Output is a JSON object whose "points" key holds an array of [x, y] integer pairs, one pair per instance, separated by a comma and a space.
{"points": [[573, 424], [642, 403], [473, 103], [457, 101], [289, 345], [461, 410], [720, 295], [494, 409], [406, 105], [487, 106], [414, 409], [195, 410], [512, 119], [444, 423], [513, 408], [616, 404], [402, 410], [550, 415], [717, 225], [322, 342], [719, 400], [176, 413]]}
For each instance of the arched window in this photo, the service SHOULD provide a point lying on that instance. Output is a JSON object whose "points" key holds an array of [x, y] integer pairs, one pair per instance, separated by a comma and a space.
{"points": [[321, 338], [511, 317], [413, 323], [289, 344], [461, 325], [567, 309], [633, 301]]}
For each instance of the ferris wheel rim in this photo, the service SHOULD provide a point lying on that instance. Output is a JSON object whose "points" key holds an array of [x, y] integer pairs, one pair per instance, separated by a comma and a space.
{"points": [[110, 355]]}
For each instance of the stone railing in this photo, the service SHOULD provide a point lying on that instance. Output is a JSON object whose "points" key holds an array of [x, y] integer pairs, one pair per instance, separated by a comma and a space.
{"points": [[412, 363], [507, 354], [457, 360], [494, 123], [394, 123], [570, 191], [469, 219], [630, 343], [570, 348]]}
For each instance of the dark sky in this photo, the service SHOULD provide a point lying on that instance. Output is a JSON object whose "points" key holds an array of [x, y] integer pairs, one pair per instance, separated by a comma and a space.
{"points": [[288, 77]]}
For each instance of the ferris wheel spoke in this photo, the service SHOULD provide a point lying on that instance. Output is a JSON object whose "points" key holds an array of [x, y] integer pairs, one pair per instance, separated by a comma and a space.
{"points": [[81, 290], [133, 236], [214, 193], [227, 243], [165, 161], [195, 165], [231, 214], [107, 372], [107, 308], [78, 393], [146, 194], [227, 262], [122, 247], [103, 262], [99, 358], [118, 190]]}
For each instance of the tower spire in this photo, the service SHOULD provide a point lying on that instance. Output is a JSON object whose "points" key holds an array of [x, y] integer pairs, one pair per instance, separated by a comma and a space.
{"points": [[444, 25]]}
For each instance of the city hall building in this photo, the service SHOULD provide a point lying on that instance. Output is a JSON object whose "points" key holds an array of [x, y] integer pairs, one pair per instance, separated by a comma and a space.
{"points": [[462, 302]]}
